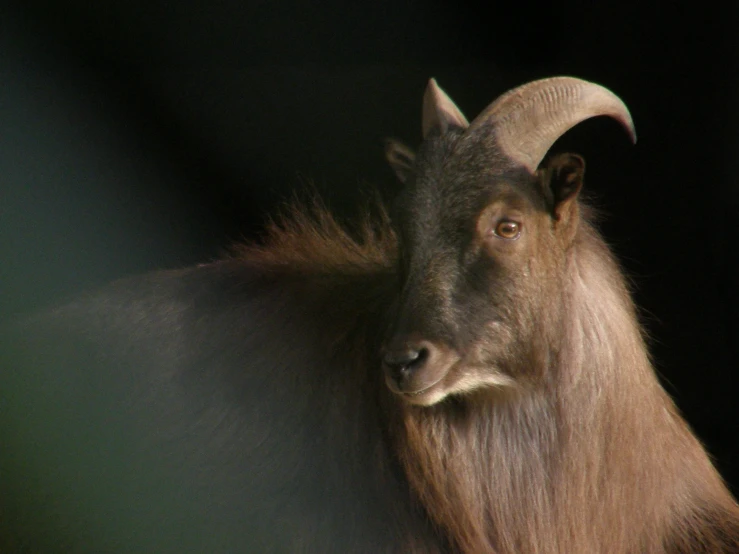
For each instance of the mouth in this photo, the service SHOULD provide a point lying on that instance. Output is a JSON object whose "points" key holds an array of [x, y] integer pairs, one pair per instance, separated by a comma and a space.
{"points": [[418, 392], [426, 396], [426, 380]]}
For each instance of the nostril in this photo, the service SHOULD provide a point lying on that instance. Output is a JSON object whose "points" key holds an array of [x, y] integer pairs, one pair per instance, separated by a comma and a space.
{"points": [[402, 363], [401, 358], [420, 359]]}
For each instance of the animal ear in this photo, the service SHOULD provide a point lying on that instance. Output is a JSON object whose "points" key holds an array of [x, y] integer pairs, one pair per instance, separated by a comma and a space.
{"points": [[439, 112], [564, 178], [400, 158]]}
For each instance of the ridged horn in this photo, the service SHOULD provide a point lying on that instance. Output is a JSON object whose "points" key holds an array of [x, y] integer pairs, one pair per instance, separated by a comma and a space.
{"points": [[527, 120]]}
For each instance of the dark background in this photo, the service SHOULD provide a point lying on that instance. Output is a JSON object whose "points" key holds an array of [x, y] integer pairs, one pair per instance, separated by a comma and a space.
{"points": [[152, 134]]}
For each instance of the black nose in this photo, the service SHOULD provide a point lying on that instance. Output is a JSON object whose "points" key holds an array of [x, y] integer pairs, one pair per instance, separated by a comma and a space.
{"points": [[402, 363]]}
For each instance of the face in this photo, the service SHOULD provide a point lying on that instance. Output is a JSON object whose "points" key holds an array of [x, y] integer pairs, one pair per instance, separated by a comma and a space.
{"points": [[480, 253]]}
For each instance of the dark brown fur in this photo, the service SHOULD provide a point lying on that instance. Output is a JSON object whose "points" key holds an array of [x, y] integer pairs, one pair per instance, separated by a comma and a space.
{"points": [[242, 406], [594, 458], [258, 378]]}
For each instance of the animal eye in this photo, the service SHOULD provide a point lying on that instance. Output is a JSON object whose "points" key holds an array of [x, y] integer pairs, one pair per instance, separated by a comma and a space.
{"points": [[508, 230]]}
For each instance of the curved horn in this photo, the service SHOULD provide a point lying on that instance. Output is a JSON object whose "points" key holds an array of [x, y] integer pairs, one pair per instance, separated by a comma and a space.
{"points": [[527, 120]]}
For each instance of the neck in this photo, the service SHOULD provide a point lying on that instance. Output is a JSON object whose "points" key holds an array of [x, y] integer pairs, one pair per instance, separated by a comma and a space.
{"points": [[594, 455]]}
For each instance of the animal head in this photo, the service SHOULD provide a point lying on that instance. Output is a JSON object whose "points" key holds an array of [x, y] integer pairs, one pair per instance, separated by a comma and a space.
{"points": [[484, 235]]}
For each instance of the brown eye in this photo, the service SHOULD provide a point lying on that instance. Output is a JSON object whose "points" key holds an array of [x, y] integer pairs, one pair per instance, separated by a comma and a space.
{"points": [[508, 230]]}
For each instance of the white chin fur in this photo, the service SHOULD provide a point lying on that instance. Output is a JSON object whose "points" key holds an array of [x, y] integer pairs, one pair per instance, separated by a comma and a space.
{"points": [[465, 385]]}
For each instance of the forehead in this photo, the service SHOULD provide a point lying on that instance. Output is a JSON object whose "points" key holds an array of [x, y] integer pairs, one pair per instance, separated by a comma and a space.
{"points": [[455, 181]]}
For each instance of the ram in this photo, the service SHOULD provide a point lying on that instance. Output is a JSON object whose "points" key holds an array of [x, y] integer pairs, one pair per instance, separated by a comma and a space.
{"points": [[465, 373]]}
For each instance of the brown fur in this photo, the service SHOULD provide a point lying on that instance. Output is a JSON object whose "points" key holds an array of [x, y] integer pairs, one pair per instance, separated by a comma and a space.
{"points": [[586, 454], [593, 458]]}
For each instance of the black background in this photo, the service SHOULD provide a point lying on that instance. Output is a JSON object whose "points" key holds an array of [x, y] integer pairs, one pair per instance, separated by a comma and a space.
{"points": [[152, 134]]}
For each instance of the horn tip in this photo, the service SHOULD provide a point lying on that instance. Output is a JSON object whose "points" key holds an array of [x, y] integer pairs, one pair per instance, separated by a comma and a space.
{"points": [[631, 130]]}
